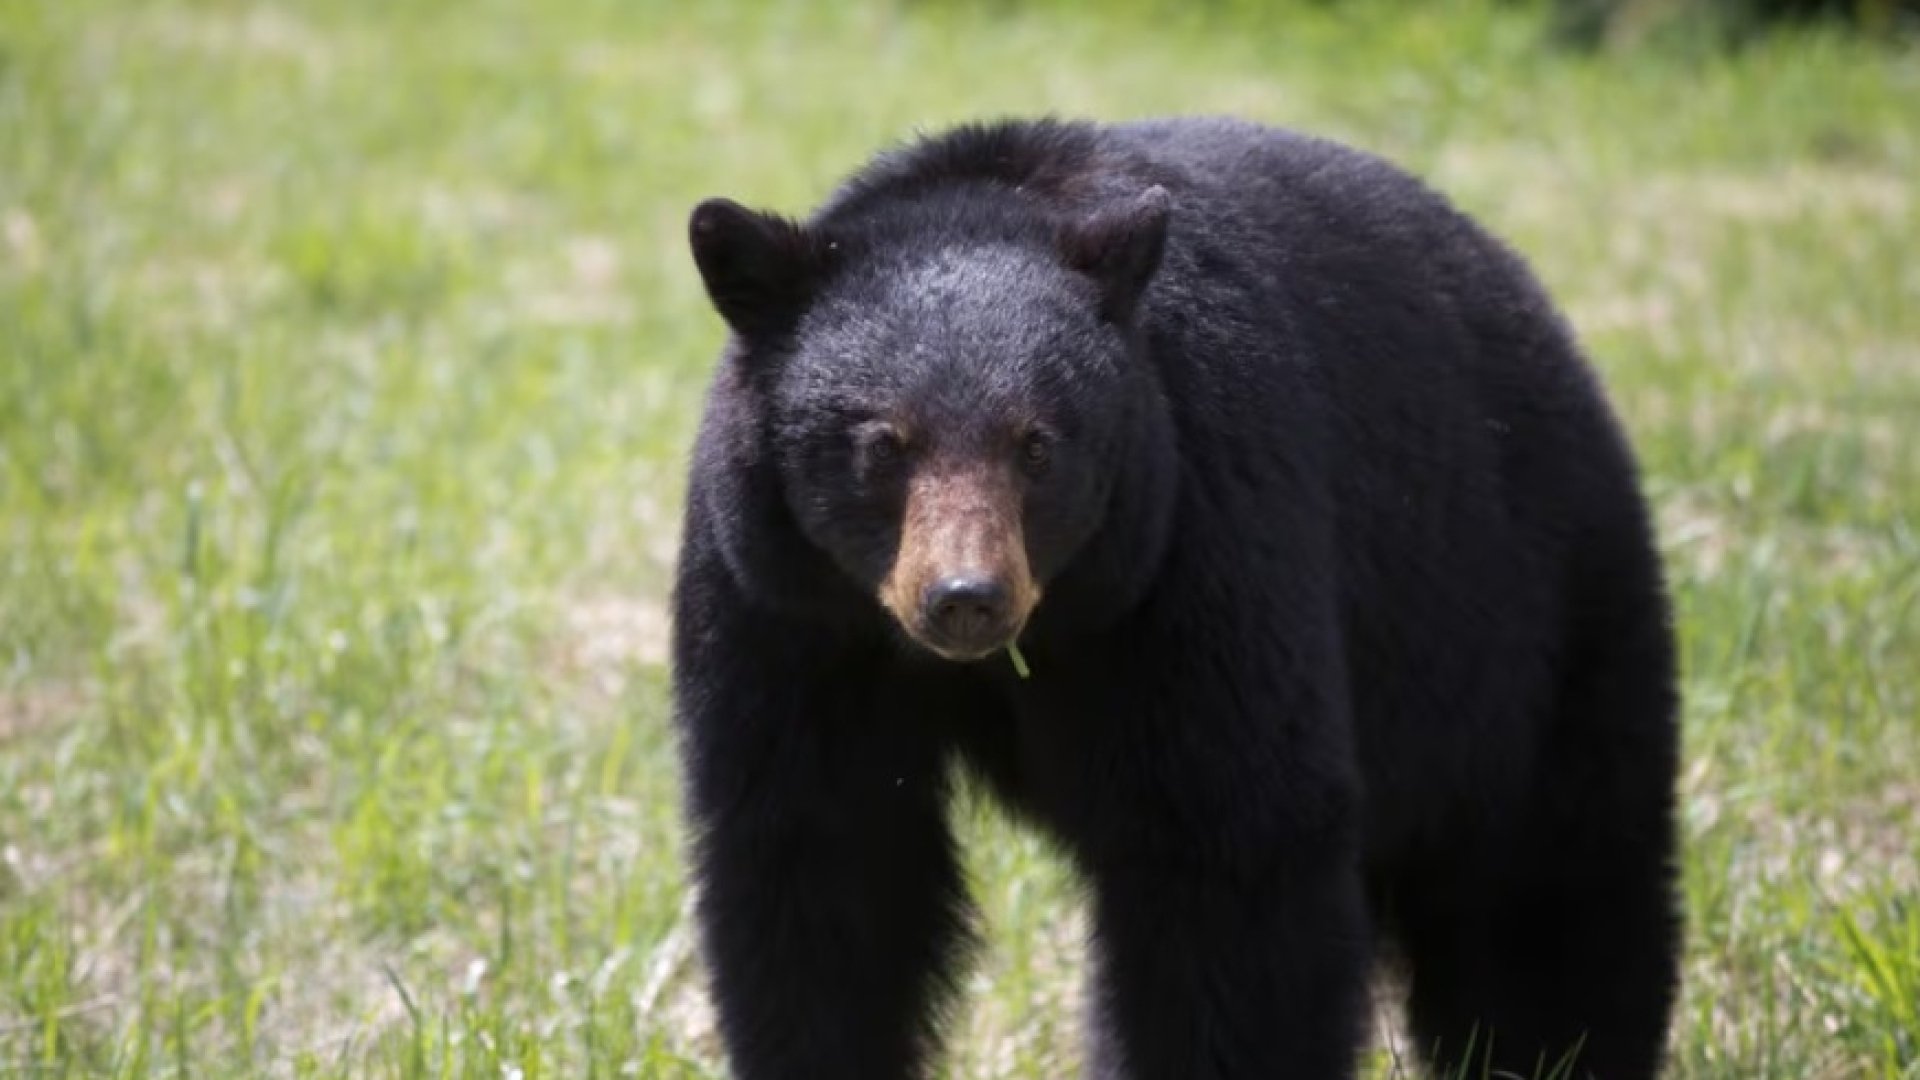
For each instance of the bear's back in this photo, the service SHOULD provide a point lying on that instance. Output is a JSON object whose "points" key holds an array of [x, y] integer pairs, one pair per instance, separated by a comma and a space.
{"points": [[1310, 285], [1321, 308]]}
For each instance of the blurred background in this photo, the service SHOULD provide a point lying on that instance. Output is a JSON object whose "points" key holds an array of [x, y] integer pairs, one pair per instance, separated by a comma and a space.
{"points": [[349, 354]]}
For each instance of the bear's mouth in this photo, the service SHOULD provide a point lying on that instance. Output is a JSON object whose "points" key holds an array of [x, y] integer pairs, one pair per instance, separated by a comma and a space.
{"points": [[963, 638], [960, 584], [962, 648]]}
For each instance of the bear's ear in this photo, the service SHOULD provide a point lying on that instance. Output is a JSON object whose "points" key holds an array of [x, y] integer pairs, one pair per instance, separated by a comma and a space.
{"points": [[760, 269], [1119, 247]]}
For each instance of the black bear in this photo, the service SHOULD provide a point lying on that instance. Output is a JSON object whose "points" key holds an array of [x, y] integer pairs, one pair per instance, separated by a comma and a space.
{"points": [[1242, 516]]}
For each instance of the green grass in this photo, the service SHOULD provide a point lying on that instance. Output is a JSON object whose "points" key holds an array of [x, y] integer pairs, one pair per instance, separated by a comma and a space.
{"points": [[348, 355]]}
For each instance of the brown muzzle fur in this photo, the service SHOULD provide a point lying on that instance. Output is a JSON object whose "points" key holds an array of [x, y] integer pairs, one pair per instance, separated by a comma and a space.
{"points": [[961, 535]]}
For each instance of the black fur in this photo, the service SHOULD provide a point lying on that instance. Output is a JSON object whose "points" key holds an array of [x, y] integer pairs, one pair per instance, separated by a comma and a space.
{"points": [[1353, 642]]}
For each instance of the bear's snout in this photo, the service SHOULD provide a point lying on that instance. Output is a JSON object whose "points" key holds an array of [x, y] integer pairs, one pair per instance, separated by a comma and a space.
{"points": [[967, 614], [960, 583]]}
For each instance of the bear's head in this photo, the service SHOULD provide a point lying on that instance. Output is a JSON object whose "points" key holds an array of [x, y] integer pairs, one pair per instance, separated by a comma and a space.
{"points": [[951, 389]]}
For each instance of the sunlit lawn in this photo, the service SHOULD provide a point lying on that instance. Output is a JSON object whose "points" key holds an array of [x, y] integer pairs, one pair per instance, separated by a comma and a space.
{"points": [[348, 357]]}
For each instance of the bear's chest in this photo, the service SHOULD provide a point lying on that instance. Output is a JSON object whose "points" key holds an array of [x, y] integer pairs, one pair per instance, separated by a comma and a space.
{"points": [[1044, 744]]}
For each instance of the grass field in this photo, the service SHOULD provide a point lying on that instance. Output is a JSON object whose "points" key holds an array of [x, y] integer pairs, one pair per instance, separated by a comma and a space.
{"points": [[348, 356]]}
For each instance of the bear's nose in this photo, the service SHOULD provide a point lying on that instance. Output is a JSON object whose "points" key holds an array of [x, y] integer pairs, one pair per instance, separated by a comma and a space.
{"points": [[967, 614]]}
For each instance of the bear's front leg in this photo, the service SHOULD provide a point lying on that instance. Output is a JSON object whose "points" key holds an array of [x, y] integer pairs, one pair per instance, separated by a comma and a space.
{"points": [[1211, 795], [1204, 975], [830, 902]]}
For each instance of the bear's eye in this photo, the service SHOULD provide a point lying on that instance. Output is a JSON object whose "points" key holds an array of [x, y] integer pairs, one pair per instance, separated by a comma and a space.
{"points": [[879, 444], [1036, 451]]}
